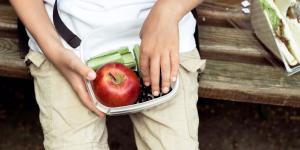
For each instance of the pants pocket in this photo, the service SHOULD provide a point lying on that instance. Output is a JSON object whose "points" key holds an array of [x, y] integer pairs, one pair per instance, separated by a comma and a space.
{"points": [[191, 66], [192, 62], [37, 63]]}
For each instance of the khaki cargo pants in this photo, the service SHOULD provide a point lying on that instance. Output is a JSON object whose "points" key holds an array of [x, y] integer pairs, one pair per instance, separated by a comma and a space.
{"points": [[68, 125]]}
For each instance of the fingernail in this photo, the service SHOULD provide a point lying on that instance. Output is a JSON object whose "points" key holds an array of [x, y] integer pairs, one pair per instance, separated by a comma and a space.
{"points": [[155, 93], [91, 75], [165, 89], [173, 79], [147, 83]]}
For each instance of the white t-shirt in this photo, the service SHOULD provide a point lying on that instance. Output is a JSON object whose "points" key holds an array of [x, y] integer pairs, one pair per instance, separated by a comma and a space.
{"points": [[84, 16]]}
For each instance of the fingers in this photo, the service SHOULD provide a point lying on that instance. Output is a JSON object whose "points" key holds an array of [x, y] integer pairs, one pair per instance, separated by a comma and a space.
{"points": [[81, 91], [83, 70], [165, 72], [174, 56], [75, 72], [151, 65], [144, 68], [155, 74]]}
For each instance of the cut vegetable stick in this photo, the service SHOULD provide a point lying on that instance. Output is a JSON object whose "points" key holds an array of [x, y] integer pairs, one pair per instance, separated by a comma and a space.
{"points": [[121, 50], [136, 52], [128, 60], [99, 61]]}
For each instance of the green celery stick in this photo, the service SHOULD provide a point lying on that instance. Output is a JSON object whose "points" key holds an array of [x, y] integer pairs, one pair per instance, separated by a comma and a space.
{"points": [[121, 50], [99, 61], [130, 65], [128, 60], [136, 52]]}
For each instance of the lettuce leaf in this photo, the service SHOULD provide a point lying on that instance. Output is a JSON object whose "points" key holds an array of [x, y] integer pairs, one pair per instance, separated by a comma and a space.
{"points": [[275, 20]]}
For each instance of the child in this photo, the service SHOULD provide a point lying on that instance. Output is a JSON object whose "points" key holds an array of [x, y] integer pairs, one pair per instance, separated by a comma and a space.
{"points": [[68, 117]]}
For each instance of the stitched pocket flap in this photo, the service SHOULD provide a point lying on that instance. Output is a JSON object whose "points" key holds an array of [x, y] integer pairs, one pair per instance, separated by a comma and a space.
{"points": [[192, 62], [36, 58]]}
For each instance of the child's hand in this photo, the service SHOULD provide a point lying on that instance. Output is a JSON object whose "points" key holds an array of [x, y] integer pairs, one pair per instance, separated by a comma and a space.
{"points": [[160, 42], [159, 50], [76, 72], [35, 18]]}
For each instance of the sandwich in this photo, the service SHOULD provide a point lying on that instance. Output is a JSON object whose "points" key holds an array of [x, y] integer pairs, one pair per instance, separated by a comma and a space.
{"points": [[283, 18]]}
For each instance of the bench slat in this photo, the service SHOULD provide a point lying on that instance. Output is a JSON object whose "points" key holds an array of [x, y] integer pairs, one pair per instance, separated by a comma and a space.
{"points": [[11, 65], [230, 44], [222, 13], [14, 68], [8, 18], [8, 21], [249, 83]]}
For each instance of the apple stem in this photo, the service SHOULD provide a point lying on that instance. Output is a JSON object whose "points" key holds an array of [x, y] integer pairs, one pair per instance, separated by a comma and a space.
{"points": [[112, 76]]}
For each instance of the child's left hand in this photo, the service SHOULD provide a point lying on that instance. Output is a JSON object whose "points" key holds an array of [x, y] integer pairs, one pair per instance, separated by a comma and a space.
{"points": [[159, 49]]}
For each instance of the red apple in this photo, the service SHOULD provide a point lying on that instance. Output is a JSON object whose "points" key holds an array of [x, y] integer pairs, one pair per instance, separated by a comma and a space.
{"points": [[116, 85]]}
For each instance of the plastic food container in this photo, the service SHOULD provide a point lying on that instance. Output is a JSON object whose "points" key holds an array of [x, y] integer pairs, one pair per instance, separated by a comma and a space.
{"points": [[95, 43], [263, 30]]}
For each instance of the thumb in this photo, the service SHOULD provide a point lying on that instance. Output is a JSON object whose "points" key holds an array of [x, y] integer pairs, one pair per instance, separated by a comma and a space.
{"points": [[84, 71]]}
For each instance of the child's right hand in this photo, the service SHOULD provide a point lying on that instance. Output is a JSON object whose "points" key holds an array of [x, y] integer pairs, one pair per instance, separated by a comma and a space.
{"points": [[35, 18], [75, 72]]}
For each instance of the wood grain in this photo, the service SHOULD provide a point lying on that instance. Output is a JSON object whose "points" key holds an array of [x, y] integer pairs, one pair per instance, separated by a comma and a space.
{"points": [[249, 83], [8, 21], [11, 65], [222, 13], [229, 44]]}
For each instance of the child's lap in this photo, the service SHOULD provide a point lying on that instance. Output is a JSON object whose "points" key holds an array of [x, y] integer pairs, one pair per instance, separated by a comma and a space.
{"points": [[61, 109]]}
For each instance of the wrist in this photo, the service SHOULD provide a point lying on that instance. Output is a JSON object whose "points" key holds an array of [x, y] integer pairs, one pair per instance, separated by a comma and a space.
{"points": [[174, 9], [52, 48], [169, 10]]}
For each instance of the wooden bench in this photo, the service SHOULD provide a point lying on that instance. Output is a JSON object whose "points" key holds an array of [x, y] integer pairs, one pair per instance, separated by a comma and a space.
{"points": [[237, 70], [11, 64]]}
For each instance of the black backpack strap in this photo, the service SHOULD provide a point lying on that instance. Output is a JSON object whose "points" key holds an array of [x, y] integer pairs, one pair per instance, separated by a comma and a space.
{"points": [[23, 39], [196, 34], [72, 39]]}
